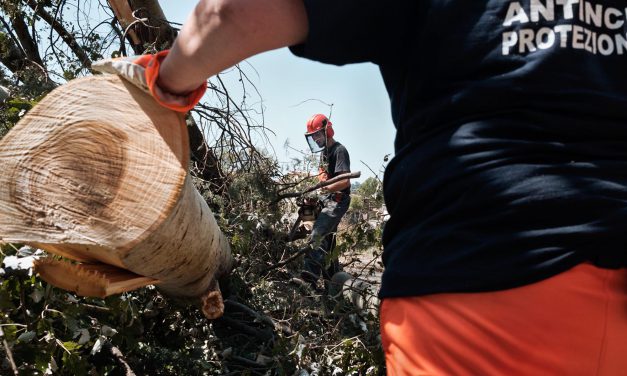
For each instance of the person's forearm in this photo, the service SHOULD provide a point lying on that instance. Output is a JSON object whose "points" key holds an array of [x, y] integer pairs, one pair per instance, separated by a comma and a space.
{"points": [[338, 186], [221, 33]]}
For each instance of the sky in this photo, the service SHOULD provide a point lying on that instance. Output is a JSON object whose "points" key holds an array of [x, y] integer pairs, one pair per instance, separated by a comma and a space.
{"points": [[287, 84]]}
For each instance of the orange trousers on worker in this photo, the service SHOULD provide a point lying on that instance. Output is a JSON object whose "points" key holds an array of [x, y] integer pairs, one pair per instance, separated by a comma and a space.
{"points": [[574, 323]]}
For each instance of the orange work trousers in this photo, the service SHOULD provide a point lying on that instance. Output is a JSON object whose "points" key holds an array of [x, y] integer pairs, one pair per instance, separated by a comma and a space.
{"points": [[574, 323]]}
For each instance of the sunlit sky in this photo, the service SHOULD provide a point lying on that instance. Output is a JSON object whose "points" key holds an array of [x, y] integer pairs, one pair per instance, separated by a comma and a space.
{"points": [[360, 112]]}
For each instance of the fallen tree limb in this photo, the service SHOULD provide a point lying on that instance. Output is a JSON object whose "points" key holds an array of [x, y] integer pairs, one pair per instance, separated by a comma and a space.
{"points": [[348, 175], [258, 316], [284, 262], [244, 308]]}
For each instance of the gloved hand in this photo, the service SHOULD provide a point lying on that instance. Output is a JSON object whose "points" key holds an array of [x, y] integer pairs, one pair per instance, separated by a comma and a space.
{"points": [[143, 72], [322, 174]]}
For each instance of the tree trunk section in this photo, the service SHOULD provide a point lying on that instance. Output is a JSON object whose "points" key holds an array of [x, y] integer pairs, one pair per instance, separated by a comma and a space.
{"points": [[97, 173]]}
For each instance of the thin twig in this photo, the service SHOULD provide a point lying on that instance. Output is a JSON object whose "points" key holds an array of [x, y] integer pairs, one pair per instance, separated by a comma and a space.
{"points": [[284, 262], [117, 354], [374, 173], [7, 350], [258, 316], [68, 38]]}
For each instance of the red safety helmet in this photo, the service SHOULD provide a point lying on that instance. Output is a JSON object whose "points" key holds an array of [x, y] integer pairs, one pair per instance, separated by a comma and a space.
{"points": [[319, 128]]}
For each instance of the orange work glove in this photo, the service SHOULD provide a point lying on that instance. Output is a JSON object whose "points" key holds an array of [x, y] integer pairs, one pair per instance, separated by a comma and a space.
{"points": [[322, 174], [143, 71]]}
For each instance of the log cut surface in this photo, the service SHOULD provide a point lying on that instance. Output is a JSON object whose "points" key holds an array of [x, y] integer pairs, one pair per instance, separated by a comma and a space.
{"points": [[120, 157], [97, 173]]}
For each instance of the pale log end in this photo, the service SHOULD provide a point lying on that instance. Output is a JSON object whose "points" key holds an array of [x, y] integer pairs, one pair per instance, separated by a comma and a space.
{"points": [[95, 280]]}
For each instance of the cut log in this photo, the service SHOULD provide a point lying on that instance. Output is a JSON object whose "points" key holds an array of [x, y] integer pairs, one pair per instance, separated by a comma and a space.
{"points": [[97, 173]]}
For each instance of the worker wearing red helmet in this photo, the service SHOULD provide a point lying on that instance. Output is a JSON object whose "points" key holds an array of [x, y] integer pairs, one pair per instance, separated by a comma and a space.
{"points": [[334, 160]]}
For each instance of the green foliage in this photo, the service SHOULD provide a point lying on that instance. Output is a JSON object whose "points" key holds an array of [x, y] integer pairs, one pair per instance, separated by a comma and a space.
{"points": [[371, 187], [50, 330], [5, 44], [11, 111], [369, 195]]}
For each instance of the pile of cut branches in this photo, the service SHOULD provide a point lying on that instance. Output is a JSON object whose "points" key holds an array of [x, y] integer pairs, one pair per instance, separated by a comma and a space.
{"points": [[273, 323]]}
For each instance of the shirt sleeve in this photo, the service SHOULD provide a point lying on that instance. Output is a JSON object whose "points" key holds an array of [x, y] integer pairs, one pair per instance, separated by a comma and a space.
{"points": [[342, 161], [354, 31]]}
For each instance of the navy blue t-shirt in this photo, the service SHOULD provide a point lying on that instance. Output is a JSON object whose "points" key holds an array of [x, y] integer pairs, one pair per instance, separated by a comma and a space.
{"points": [[511, 150]]}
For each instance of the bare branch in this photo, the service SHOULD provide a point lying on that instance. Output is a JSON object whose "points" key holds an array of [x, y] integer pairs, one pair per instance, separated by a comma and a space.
{"points": [[11, 55], [284, 262], [26, 40], [62, 32], [349, 175]]}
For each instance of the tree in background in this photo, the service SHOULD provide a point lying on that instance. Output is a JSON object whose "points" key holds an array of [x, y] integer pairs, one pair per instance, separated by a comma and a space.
{"points": [[368, 196]]}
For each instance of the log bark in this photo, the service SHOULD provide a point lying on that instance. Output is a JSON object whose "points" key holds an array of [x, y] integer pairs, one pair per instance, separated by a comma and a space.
{"points": [[97, 173]]}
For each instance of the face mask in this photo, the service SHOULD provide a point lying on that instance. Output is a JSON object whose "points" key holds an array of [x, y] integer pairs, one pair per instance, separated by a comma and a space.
{"points": [[317, 140]]}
